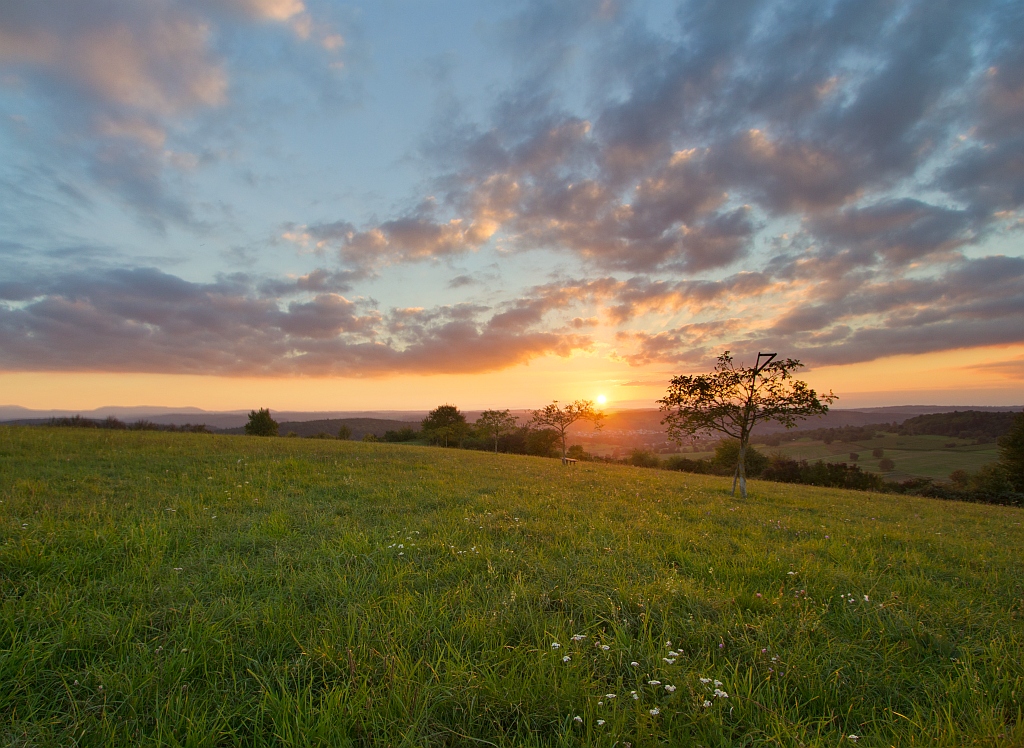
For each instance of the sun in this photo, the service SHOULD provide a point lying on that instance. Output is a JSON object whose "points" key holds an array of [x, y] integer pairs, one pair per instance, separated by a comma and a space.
{"points": [[601, 399]]}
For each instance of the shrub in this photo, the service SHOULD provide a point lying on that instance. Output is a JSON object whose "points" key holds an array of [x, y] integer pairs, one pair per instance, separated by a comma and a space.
{"points": [[261, 424], [370, 438], [643, 458], [577, 452], [886, 465], [404, 434], [727, 455], [854, 456], [344, 432], [877, 452]]}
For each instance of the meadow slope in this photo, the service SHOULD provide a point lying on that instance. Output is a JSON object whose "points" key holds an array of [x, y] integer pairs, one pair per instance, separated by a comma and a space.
{"points": [[196, 590]]}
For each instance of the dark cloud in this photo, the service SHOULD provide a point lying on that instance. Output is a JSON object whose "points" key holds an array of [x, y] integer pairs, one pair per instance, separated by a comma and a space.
{"points": [[144, 320], [976, 303]]}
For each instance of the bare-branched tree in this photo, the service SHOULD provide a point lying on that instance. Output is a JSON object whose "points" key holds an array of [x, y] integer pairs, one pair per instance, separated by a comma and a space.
{"points": [[561, 418], [732, 399]]}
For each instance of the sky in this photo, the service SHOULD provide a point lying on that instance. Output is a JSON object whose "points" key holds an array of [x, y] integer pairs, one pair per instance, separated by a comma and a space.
{"points": [[314, 205]]}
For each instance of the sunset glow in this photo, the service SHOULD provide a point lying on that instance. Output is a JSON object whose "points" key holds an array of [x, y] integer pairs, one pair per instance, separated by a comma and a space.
{"points": [[310, 206]]}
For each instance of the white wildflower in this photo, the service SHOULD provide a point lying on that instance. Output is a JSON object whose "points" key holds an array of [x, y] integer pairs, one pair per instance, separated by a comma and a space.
{"points": [[635, 696], [705, 680], [720, 694], [635, 664], [609, 696], [578, 719], [673, 653], [670, 689], [600, 722], [555, 645], [866, 599], [669, 660], [566, 658], [605, 647], [655, 712], [654, 683], [854, 738], [718, 683], [578, 637]]}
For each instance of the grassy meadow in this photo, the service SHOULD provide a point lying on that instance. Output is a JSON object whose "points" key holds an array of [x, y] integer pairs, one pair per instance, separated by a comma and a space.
{"points": [[918, 456], [196, 590]]}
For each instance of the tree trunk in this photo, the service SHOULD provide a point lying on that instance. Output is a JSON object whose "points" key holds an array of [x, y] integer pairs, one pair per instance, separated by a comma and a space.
{"points": [[741, 469]]}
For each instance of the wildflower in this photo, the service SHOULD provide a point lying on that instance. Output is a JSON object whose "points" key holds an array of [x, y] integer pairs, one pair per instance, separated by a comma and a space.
{"points": [[609, 696], [578, 719], [669, 660], [791, 573], [764, 651], [670, 689], [635, 664], [721, 645], [668, 643], [75, 683], [566, 658], [555, 645], [579, 637], [634, 695], [720, 694], [605, 647], [654, 683], [705, 680], [866, 599], [673, 653], [706, 704], [655, 712], [600, 722], [718, 683], [854, 738]]}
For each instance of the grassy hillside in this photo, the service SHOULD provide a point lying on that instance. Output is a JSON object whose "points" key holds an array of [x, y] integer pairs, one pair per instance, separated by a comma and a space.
{"points": [[178, 589], [916, 456]]}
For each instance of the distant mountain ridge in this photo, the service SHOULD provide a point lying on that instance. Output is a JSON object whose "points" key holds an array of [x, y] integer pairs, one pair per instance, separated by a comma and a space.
{"points": [[647, 419]]}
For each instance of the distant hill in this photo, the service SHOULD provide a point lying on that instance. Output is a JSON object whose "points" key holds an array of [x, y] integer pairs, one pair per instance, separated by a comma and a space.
{"points": [[359, 427]]}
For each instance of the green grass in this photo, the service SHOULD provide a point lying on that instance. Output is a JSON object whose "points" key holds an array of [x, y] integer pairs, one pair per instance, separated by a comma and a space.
{"points": [[177, 589], [915, 456]]}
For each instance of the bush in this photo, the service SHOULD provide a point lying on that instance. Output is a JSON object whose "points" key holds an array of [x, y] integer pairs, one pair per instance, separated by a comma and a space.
{"points": [[344, 433], [404, 434], [877, 452], [854, 456], [886, 465], [577, 452], [727, 454], [261, 424], [643, 458], [370, 438]]}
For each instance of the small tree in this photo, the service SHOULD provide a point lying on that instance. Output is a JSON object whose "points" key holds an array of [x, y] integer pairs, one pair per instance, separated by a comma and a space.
{"points": [[260, 423], [344, 432], [732, 399], [496, 424], [561, 418], [1011, 453], [445, 423]]}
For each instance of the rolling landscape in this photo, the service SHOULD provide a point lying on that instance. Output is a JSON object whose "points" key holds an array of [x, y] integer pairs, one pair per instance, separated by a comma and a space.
{"points": [[545, 373], [194, 589]]}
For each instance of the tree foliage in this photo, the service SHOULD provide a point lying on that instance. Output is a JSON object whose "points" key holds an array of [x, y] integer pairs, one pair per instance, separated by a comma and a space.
{"points": [[494, 424], [445, 424], [560, 418], [732, 399], [1011, 453], [261, 423]]}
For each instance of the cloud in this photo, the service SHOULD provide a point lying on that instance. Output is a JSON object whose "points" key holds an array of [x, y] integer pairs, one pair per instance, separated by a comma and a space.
{"points": [[144, 320], [123, 76], [829, 113]]}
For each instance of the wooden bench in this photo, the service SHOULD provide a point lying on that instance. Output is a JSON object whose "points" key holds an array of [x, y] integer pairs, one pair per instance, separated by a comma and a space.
{"points": [[569, 461]]}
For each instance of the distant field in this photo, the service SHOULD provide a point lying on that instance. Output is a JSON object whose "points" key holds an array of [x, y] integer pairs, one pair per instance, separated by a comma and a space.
{"points": [[197, 590], [915, 456]]}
